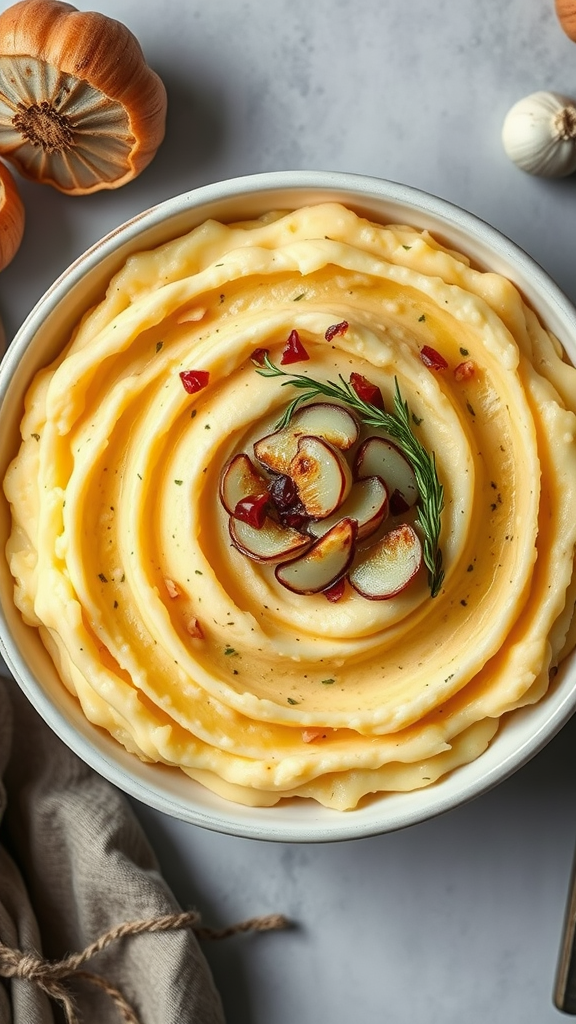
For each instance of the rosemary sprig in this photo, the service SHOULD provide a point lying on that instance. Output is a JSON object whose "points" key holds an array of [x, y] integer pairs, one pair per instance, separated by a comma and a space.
{"points": [[398, 426]]}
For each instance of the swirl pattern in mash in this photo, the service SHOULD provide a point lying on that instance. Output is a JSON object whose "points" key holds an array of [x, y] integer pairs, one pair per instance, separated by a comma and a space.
{"points": [[119, 541]]}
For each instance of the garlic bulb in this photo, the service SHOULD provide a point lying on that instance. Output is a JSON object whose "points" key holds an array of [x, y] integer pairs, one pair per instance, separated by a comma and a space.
{"points": [[539, 134], [12, 218], [566, 11], [79, 107]]}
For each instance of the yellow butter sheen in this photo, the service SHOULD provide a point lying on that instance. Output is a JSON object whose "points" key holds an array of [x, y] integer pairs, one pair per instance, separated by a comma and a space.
{"points": [[114, 497]]}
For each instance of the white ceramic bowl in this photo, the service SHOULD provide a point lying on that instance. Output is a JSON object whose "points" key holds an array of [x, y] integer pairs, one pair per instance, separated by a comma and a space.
{"points": [[42, 336]]}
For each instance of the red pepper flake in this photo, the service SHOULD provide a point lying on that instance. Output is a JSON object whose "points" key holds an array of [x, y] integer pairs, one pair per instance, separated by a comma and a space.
{"points": [[194, 380], [431, 358], [294, 351], [252, 510], [258, 356], [336, 329], [366, 390], [465, 370], [336, 591], [284, 494], [285, 499]]}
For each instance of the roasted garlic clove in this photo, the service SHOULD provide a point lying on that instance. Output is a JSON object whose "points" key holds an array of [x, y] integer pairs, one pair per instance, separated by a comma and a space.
{"points": [[79, 107]]}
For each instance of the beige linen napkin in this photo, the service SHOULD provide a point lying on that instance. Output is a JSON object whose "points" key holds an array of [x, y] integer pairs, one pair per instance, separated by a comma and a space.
{"points": [[73, 863]]}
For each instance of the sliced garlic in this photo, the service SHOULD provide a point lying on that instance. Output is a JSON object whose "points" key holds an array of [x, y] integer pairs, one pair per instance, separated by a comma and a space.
{"points": [[539, 134]]}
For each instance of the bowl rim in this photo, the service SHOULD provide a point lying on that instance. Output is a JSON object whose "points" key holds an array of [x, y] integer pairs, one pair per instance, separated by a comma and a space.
{"points": [[316, 824]]}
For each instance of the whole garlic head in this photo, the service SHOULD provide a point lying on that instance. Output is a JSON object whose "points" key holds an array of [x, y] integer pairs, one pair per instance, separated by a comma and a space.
{"points": [[539, 134], [80, 109]]}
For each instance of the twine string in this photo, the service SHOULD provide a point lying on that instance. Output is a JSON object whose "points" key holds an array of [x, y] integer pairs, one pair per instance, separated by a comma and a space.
{"points": [[49, 975]]}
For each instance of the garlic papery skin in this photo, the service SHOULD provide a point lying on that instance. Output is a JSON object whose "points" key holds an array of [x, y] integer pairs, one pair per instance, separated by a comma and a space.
{"points": [[539, 134]]}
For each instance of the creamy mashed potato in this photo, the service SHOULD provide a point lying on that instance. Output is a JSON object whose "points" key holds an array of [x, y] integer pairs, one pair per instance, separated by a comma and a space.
{"points": [[120, 544]]}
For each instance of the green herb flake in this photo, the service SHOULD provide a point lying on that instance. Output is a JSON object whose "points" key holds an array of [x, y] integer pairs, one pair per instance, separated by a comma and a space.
{"points": [[327, 682], [298, 297], [35, 436], [470, 409], [138, 475], [406, 246], [102, 577], [464, 352], [159, 345], [291, 700], [416, 419], [229, 651], [179, 482], [422, 318], [206, 426]]}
